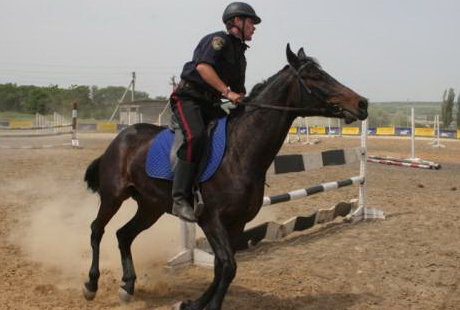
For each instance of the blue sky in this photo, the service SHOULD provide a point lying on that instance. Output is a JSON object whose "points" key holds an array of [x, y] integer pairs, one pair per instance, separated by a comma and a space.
{"points": [[393, 50]]}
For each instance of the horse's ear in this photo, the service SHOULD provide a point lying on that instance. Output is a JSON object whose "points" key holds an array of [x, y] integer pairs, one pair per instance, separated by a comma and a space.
{"points": [[293, 60], [301, 54]]}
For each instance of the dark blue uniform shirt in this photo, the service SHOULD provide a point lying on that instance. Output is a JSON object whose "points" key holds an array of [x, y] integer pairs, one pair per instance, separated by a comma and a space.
{"points": [[225, 53]]}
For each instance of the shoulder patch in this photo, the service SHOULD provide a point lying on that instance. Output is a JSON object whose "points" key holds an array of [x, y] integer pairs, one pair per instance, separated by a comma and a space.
{"points": [[217, 43]]}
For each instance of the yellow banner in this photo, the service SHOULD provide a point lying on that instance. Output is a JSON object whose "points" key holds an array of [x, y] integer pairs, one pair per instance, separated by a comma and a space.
{"points": [[318, 130], [107, 127], [385, 131], [350, 131], [293, 130], [21, 124], [424, 132], [458, 134]]}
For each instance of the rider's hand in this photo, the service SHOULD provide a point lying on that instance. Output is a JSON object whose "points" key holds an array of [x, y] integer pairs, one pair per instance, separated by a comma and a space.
{"points": [[235, 98]]}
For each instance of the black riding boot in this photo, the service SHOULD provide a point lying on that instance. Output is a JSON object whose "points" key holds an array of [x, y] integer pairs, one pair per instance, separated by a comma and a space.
{"points": [[184, 175]]}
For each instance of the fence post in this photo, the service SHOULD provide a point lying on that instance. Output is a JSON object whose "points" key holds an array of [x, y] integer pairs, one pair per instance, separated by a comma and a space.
{"points": [[74, 142]]}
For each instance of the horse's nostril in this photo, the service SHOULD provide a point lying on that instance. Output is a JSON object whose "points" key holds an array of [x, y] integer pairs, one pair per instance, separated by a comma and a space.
{"points": [[363, 104]]}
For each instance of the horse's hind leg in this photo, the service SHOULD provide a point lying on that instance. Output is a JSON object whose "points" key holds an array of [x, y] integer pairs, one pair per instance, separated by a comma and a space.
{"points": [[106, 211], [146, 215]]}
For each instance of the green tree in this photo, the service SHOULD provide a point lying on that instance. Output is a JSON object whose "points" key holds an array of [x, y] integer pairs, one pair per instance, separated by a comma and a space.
{"points": [[10, 99], [399, 119], [447, 106], [37, 101], [93, 101], [81, 95], [378, 117]]}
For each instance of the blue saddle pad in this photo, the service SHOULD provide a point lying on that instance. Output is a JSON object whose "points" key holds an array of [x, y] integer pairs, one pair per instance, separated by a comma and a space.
{"points": [[158, 163]]}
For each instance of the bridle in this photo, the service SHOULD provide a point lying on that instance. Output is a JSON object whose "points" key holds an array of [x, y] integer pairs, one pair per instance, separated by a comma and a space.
{"points": [[304, 89]]}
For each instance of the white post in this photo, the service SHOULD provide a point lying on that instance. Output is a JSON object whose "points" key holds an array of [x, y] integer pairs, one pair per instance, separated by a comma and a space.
{"points": [[363, 212], [437, 139], [55, 122], [412, 134], [362, 168], [329, 127]]}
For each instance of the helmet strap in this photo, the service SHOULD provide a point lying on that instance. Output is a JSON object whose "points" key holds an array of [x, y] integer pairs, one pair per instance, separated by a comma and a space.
{"points": [[241, 30]]}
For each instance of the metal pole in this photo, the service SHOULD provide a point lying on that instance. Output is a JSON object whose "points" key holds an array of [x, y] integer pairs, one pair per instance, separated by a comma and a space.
{"points": [[133, 86], [120, 101]]}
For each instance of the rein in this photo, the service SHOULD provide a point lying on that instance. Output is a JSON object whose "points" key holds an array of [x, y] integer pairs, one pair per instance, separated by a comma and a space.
{"points": [[303, 88]]}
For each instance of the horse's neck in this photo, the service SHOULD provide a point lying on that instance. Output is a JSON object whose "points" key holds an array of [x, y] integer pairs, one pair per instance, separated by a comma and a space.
{"points": [[259, 134], [274, 126]]}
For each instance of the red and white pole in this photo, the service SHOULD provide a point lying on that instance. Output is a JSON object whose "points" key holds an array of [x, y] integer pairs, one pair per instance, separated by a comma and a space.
{"points": [[74, 142]]}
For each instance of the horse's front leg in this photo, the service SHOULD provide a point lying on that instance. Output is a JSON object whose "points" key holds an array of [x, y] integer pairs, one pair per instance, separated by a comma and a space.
{"points": [[203, 300], [224, 267]]}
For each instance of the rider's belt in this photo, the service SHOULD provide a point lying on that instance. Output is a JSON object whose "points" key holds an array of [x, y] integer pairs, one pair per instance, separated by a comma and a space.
{"points": [[193, 89]]}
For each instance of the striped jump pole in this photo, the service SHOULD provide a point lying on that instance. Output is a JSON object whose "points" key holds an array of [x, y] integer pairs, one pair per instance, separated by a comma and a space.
{"points": [[354, 211], [424, 164], [304, 192]]}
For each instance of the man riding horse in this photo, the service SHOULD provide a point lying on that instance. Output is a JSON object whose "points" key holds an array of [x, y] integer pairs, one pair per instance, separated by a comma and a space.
{"points": [[217, 70]]}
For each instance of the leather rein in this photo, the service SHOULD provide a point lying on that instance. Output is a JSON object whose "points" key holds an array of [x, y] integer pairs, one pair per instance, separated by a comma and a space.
{"points": [[303, 89]]}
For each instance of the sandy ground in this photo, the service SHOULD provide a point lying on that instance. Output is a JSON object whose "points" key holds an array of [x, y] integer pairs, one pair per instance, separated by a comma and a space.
{"points": [[409, 261]]}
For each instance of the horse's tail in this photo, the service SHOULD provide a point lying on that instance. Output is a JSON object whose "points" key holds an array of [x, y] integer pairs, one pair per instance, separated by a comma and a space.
{"points": [[92, 175]]}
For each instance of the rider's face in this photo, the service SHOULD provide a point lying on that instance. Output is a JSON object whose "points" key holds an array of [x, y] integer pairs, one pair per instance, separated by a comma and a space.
{"points": [[247, 25], [249, 29]]}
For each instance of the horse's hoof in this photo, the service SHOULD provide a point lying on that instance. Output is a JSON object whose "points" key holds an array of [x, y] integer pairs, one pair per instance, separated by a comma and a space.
{"points": [[89, 295], [124, 295]]}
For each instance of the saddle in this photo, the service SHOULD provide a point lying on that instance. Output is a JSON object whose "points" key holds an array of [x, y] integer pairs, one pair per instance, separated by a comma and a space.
{"points": [[161, 156]]}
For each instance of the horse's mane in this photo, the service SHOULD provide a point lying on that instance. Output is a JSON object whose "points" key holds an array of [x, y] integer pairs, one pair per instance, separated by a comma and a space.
{"points": [[260, 87], [254, 93]]}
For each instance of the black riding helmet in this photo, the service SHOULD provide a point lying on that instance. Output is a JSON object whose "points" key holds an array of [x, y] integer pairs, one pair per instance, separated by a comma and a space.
{"points": [[240, 9]]}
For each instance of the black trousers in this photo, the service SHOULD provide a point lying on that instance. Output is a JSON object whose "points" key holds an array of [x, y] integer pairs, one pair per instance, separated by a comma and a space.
{"points": [[189, 114], [193, 110]]}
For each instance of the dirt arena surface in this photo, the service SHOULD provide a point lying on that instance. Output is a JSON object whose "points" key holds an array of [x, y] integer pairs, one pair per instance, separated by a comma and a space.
{"points": [[411, 260]]}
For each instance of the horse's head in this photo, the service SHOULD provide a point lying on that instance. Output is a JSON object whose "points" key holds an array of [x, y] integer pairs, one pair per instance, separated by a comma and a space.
{"points": [[327, 96]]}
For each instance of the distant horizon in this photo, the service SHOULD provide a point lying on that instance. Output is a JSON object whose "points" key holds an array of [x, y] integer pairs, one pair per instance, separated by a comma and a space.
{"points": [[384, 50], [166, 96]]}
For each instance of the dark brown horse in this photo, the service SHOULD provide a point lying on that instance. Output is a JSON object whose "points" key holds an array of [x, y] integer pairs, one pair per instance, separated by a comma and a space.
{"points": [[233, 196]]}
